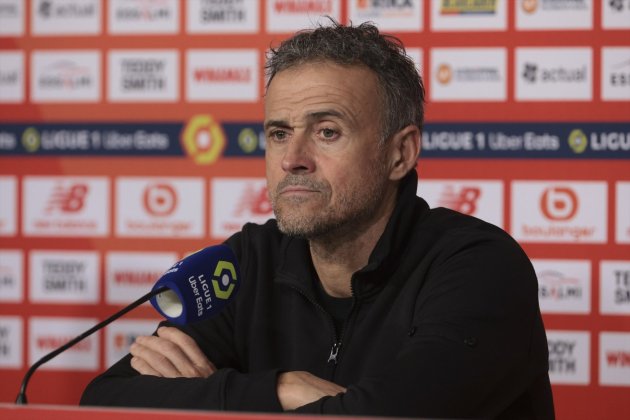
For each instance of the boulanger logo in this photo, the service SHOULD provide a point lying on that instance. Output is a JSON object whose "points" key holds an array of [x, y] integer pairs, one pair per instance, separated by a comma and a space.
{"points": [[559, 203], [578, 141], [159, 199], [224, 279], [203, 139]]}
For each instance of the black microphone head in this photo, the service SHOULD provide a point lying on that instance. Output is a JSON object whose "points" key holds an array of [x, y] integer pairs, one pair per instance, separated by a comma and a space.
{"points": [[200, 285]]}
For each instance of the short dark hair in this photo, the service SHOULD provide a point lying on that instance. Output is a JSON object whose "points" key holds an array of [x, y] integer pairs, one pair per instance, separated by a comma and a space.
{"points": [[400, 84]]}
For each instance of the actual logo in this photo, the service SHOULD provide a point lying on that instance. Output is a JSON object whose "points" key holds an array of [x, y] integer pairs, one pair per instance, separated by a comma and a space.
{"points": [[236, 201], [569, 357], [560, 211], [553, 73], [66, 17], [203, 139], [160, 207], [614, 358], [66, 206]]}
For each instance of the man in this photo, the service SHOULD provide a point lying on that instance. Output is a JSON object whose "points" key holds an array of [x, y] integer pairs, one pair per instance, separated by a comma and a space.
{"points": [[358, 299]]}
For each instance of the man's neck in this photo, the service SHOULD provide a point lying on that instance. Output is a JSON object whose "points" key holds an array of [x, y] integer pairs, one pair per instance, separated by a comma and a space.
{"points": [[336, 257]]}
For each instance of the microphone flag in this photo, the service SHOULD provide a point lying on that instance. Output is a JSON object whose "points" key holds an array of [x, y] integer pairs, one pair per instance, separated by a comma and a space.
{"points": [[199, 286]]}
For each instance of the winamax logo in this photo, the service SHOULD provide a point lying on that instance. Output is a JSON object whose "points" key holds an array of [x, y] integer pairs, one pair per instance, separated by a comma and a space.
{"points": [[226, 16], [478, 198], [8, 206], [65, 206], [564, 286], [130, 275], [66, 17], [485, 15], [160, 207], [222, 75], [11, 275], [560, 212], [284, 16], [554, 14], [65, 76], [143, 75], [569, 357], [12, 18], [11, 77], [553, 74], [143, 17], [48, 333], [614, 281], [236, 201], [614, 358], [392, 15], [64, 277], [11, 342]]}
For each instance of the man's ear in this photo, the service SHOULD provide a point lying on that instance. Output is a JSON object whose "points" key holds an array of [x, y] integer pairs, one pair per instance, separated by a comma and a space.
{"points": [[404, 149]]}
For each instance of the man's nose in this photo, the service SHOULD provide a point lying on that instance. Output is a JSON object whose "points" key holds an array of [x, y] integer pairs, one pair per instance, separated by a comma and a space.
{"points": [[298, 158]]}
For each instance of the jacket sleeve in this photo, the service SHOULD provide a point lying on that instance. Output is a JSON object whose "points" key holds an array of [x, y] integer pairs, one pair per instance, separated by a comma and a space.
{"points": [[475, 345], [227, 389]]}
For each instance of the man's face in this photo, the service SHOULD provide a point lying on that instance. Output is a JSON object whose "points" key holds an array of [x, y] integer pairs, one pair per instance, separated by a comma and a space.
{"points": [[325, 169]]}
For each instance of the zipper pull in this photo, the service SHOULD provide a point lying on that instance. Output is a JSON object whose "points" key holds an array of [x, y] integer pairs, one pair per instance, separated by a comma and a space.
{"points": [[333, 353]]}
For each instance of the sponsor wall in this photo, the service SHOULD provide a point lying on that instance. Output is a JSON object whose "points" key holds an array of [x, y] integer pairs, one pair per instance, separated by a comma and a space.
{"points": [[131, 134]]}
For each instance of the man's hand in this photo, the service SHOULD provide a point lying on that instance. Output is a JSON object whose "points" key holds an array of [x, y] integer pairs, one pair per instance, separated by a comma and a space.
{"points": [[171, 354], [296, 389]]}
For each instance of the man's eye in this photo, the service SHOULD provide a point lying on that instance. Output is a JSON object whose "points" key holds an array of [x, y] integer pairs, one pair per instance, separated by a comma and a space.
{"points": [[278, 135], [328, 133]]}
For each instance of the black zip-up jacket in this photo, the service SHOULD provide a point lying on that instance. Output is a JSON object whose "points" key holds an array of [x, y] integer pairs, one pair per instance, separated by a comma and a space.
{"points": [[444, 323]]}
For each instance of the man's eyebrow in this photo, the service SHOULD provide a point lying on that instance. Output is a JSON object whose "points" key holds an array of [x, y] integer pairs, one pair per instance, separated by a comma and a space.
{"points": [[275, 123], [318, 115]]}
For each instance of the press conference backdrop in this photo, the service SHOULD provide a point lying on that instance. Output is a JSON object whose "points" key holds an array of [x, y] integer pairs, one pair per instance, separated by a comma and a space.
{"points": [[131, 135]]}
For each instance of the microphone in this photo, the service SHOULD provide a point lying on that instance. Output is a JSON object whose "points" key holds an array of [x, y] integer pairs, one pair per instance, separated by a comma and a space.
{"points": [[195, 288]]}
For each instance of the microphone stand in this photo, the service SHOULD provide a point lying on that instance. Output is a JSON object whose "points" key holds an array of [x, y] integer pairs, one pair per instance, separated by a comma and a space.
{"points": [[21, 398]]}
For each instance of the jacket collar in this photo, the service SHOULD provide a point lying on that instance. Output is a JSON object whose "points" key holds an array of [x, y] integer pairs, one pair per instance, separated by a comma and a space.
{"points": [[296, 267]]}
